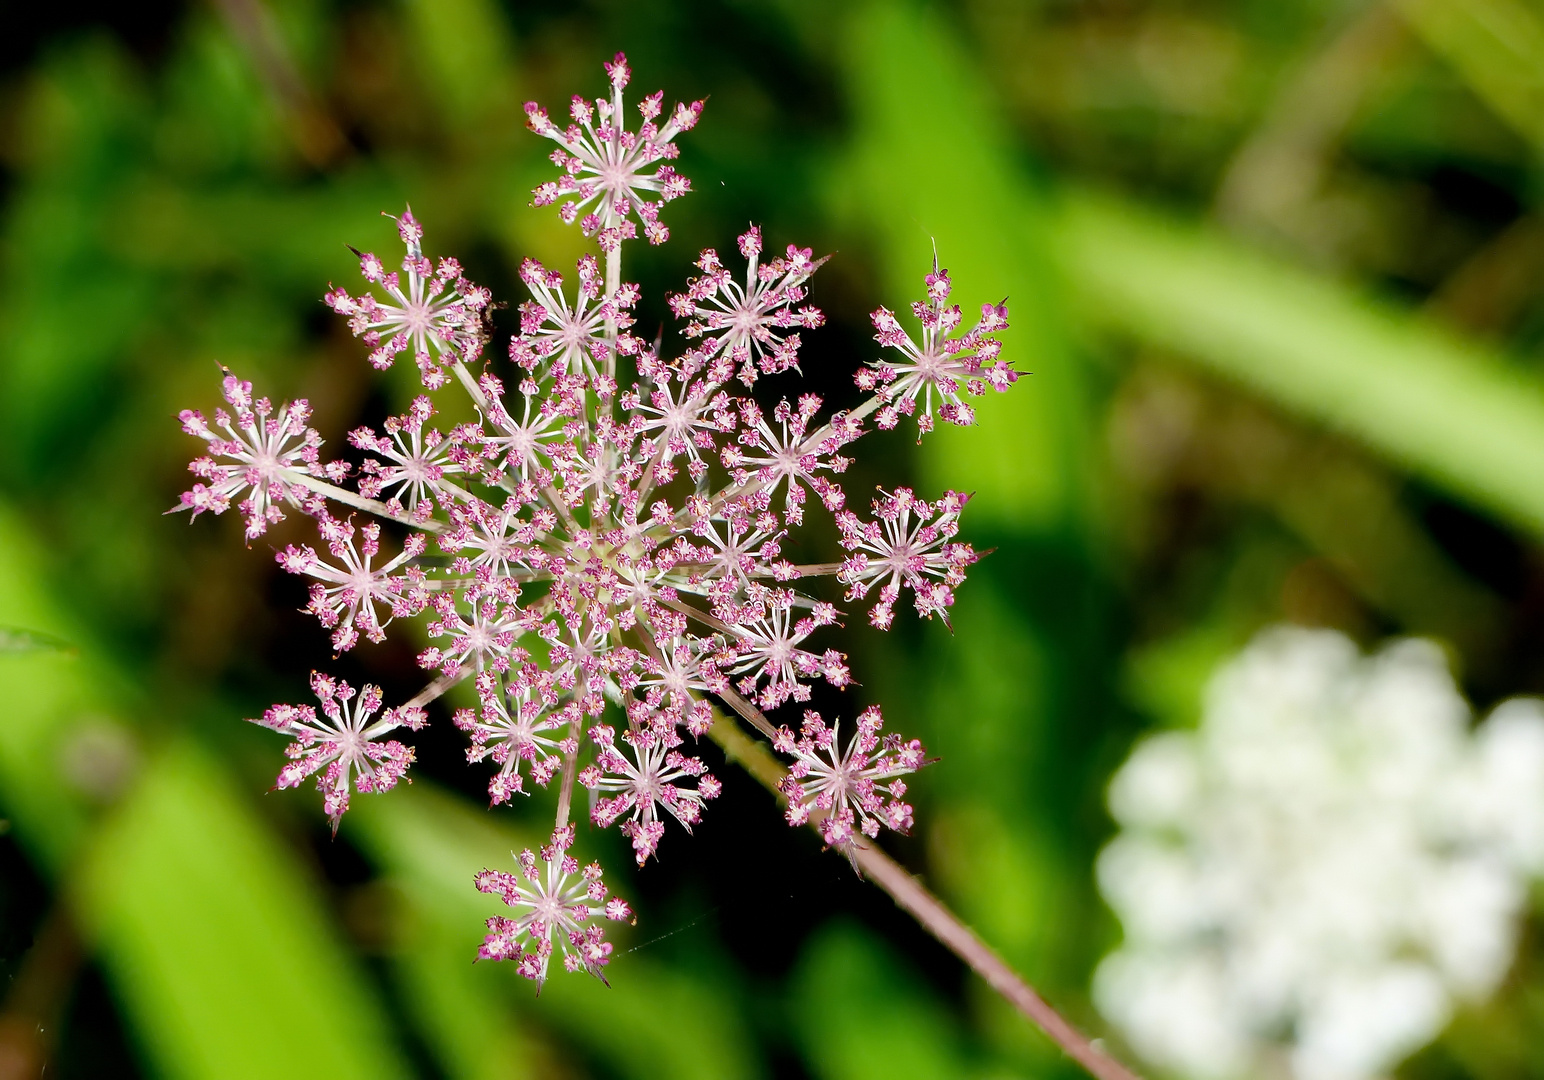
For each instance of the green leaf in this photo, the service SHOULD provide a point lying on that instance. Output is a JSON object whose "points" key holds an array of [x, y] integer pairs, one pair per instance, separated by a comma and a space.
{"points": [[1454, 412], [82, 127], [465, 50], [1498, 48], [933, 161], [218, 948], [46, 693], [463, 1010], [216, 943]]}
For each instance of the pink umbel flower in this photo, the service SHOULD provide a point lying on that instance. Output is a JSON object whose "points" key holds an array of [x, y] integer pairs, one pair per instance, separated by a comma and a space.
{"points": [[347, 598], [845, 786], [647, 774], [410, 465], [343, 745], [941, 366], [517, 724], [555, 902], [605, 165], [572, 339], [604, 549], [747, 325], [910, 545], [767, 656], [265, 454], [436, 312], [782, 456]]}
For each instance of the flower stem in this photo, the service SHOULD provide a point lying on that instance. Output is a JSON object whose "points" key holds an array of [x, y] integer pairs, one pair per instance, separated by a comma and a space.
{"points": [[435, 689], [945, 925], [359, 502], [757, 719], [571, 761], [912, 896]]}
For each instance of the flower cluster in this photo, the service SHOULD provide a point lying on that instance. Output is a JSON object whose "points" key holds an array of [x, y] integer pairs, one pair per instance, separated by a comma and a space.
{"points": [[649, 780], [845, 786], [344, 747], [910, 544], [438, 314], [1309, 881], [939, 366], [264, 458], [608, 546], [604, 165], [556, 901]]}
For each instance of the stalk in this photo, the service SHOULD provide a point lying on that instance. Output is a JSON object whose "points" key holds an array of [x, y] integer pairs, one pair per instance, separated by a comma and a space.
{"points": [[934, 915], [357, 501]]}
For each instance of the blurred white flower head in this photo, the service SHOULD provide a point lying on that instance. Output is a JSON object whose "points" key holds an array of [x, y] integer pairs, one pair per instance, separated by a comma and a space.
{"points": [[1311, 880]]}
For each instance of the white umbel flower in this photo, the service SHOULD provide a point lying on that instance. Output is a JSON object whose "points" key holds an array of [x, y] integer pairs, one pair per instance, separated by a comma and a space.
{"points": [[1311, 880]]}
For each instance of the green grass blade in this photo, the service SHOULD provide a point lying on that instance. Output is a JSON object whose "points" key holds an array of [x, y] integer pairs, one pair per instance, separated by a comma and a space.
{"points": [[465, 51], [216, 944], [1497, 46], [1453, 412], [47, 692], [860, 1015]]}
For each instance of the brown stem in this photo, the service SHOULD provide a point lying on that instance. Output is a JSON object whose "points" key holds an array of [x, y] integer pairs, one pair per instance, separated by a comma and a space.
{"points": [[524, 577], [1279, 171], [701, 616], [802, 569], [470, 385], [819, 569], [946, 926], [908, 892], [757, 718], [562, 508], [436, 689], [315, 134], [29, 1020]]}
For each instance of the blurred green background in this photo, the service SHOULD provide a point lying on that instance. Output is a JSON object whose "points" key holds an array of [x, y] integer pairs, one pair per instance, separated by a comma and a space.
{"points": [[1275, 266]]}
